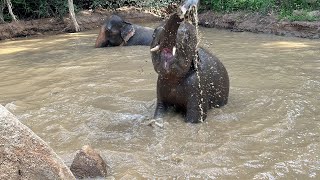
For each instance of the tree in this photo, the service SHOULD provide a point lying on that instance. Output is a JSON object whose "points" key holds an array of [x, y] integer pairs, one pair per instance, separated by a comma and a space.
{"points": [[9, 5], [1, 11], [73, 16]]}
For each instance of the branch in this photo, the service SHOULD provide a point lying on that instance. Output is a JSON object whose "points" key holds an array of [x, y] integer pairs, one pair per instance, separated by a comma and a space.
{"points": [[73, 16], [10, 10], [1, 11]]}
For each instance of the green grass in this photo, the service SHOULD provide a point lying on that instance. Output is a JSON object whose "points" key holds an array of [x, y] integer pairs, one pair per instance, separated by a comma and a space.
{"points": [[284, 8], [32, 9]]}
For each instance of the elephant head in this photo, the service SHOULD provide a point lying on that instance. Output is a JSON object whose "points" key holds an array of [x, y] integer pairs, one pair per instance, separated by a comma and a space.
{"points": [[114, 32], [174, 46]]}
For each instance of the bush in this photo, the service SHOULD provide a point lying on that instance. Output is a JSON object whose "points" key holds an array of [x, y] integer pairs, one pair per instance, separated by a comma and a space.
{"points": [[31, 9], [236, 5], [285, 8]]}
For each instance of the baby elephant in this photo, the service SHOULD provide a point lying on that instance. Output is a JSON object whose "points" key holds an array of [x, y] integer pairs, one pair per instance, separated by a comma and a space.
{"points": [[189, 79]]}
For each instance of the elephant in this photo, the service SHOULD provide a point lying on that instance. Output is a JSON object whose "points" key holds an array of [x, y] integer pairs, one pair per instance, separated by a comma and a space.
{"points": [[117, 32], [190, 79]]}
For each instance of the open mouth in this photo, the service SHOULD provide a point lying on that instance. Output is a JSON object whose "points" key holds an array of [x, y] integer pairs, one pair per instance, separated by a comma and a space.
{"points": [[167, 44], [167, 55]]}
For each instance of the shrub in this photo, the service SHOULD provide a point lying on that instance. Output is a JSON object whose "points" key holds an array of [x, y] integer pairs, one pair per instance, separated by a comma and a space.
{"points": [[285, 8]]}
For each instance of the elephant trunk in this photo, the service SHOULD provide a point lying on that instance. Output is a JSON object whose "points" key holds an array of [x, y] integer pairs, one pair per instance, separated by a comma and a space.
{"points": [[170, 32]]}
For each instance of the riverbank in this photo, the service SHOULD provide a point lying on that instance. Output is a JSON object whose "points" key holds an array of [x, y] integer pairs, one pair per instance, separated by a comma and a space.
{"points": [[237, 21], [257, 23], [87, 20]]}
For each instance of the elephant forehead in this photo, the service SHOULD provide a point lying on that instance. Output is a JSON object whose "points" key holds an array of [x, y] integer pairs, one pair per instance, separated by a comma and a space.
{"points": [[111, 27], [114, 24], [186, 28]]}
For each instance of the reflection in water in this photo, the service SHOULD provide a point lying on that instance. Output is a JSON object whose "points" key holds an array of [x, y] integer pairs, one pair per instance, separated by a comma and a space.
{"points": [[72, 94]]}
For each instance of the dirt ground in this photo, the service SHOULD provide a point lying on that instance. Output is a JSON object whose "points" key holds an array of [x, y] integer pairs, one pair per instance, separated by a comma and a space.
{"points": [[252, 22], [87, 20]]}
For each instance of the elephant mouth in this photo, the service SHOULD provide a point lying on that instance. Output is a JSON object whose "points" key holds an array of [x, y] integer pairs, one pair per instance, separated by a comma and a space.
{"points": [[167, 55], [166, 47]]}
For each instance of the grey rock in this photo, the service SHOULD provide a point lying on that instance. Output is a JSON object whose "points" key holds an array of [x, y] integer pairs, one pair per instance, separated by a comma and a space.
{"points": [[298, 13], [24, 155], [315, 14], [88, 164]]}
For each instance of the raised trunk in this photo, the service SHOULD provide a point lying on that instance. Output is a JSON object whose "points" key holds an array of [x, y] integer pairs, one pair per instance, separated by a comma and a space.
{"points": [[170, 31], [73, 16]]}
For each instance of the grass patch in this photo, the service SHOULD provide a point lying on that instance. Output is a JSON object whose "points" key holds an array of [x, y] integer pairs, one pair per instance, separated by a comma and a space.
{"points": [[285, 8]]}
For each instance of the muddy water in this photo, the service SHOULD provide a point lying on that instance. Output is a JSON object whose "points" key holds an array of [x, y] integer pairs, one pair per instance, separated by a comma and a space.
{"points": [[71, 94]]}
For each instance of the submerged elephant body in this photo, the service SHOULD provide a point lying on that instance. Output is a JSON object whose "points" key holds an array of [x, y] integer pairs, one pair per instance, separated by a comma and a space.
{"points": [[190, 79], [117, 32]]}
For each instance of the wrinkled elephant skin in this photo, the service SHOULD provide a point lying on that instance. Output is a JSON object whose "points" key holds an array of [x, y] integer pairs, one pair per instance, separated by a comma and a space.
{"points": [[189, 79], [117, 32]]}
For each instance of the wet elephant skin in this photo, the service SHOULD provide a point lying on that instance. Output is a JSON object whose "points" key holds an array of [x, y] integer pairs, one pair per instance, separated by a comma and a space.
{"points": [[190, 85], [117, 32]]}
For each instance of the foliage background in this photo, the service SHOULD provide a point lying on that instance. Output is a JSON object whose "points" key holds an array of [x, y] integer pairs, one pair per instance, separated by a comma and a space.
{"points": [[33, 9], [284, 8]]}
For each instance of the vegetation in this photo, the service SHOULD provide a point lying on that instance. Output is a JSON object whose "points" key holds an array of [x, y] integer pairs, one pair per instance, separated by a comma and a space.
{"points": [[33, 9], [285, 8]]}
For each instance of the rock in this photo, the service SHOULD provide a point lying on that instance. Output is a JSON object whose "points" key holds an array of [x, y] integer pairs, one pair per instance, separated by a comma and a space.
{"points": [[88, 164], [315, 14], [298, 13], [24, 155]]}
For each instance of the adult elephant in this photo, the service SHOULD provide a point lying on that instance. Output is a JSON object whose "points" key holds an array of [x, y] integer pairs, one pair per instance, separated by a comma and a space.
{"points": [[117, 32], [190, 79]]}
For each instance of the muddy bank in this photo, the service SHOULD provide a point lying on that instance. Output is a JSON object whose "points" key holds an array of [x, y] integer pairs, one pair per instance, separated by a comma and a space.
{"points": [[87, 20], [254, 22], [238, 21]]}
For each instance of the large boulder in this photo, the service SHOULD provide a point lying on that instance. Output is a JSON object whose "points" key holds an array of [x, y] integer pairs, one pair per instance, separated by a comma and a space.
{"points": [[24, 155], [88, 164]]}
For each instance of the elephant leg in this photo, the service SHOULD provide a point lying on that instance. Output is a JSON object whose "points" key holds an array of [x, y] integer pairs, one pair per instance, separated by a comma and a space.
{"points": [[196, 109], [161, 109]]}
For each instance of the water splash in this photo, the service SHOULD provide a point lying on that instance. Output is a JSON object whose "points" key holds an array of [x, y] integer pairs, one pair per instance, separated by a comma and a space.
{"points": [[194, 20]]}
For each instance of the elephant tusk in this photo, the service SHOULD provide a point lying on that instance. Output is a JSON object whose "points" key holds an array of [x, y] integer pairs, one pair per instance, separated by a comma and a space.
{"points": [[174, 50], [156, 48]]}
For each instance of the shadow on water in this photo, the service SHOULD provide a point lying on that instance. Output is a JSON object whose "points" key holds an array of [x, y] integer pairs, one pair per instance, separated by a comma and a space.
{"points": [[72, 94]]}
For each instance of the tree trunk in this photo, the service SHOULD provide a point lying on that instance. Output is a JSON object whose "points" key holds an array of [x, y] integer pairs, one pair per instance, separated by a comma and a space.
{"points": [[9, 5], [1, 11], [73, 16]]}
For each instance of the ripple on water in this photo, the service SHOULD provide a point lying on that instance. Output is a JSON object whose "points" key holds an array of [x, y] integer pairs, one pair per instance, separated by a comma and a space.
{"points": [[72, 94]]}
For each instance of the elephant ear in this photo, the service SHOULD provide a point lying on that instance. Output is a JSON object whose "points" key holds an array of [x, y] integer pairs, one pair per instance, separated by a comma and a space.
{"points": [[127, 31]]}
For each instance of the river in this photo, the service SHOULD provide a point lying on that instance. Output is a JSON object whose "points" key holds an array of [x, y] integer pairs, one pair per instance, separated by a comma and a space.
{"points": [[72, 94]]}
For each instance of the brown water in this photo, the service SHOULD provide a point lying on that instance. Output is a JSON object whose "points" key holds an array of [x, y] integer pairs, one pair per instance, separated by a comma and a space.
{"points": [[72, 94]]}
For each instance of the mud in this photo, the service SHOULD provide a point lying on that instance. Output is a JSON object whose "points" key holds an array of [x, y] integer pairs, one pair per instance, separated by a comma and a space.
{"points": [[87, 20], [238, 21], [257, 23]]}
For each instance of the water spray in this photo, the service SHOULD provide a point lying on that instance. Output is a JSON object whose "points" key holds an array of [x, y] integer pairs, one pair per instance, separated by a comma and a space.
{"points": [[189, 11]]}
